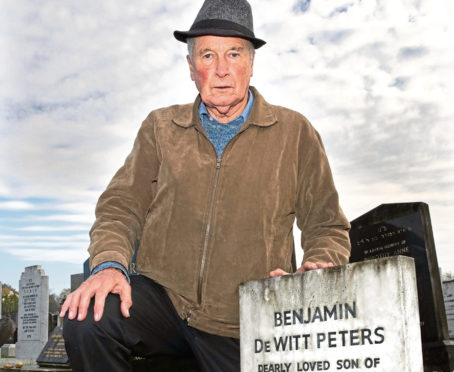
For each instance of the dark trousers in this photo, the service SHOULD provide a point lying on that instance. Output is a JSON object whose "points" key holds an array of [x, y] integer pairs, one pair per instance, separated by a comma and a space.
{"points": [[154, 329]]}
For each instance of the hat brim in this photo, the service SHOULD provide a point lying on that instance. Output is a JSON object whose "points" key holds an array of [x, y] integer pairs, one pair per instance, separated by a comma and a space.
{"points": [[183, 35]]}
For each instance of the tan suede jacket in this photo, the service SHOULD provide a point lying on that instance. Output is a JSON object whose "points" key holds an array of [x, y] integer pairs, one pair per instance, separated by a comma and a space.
{"points": [[205, 224]]}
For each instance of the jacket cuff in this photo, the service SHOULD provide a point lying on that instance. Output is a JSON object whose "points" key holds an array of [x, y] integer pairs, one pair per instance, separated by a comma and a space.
{"points": [[111, 255], [111, 264]]}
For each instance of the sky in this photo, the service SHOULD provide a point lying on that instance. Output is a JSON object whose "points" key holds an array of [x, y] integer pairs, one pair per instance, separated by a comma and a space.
{"points": [[375, 78]]}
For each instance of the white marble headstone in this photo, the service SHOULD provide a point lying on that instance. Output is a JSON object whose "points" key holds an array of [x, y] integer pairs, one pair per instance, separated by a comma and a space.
{"points": [[361, 317], [32, 330]]}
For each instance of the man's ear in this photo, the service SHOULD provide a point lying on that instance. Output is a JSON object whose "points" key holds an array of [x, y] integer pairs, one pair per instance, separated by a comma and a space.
{"points": [[252, 63], [191, 68]]}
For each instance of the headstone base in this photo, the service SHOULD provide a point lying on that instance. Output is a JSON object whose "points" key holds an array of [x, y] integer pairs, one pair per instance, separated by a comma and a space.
{"points": [[29, 349], [438, 356]]}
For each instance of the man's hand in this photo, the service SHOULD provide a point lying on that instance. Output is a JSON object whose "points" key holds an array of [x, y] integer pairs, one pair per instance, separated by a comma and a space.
{"points": [[305, 267], [99, 286]]}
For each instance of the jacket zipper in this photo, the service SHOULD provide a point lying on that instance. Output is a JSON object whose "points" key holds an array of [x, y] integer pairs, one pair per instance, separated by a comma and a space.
{"points": [[207, 231], [210, 214]]}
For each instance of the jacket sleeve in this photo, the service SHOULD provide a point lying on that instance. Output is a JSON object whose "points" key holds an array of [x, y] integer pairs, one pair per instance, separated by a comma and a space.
{"points": [[122, 207], [324, 227]]}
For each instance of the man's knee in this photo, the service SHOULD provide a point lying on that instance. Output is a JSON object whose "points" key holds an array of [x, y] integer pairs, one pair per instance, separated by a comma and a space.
{"points": [[75, 330]]}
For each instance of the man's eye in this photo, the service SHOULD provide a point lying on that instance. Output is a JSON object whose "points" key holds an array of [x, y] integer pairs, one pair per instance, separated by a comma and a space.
{"points": [[207, 56], [235, 55]]}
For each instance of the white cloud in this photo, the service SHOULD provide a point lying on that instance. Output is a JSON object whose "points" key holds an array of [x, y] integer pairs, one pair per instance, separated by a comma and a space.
{"points": [[48, 255], [17, 205], [72, 218], [44, 228], [20, 240]]}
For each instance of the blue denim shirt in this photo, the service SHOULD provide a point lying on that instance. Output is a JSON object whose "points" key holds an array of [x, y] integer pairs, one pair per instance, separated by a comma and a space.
{"points": [[221, 133]]}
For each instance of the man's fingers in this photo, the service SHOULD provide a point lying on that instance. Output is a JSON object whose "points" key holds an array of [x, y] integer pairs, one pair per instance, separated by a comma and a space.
{"points": [[84, 302], [278, 272], [307, 266], [126, 301], [74, 305], [123, 289], [323, 265], [98, 309], [65, 305], [99, 286]]}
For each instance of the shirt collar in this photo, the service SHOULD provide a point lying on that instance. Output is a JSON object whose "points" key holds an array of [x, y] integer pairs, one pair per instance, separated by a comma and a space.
{"points": [[243, 116]]}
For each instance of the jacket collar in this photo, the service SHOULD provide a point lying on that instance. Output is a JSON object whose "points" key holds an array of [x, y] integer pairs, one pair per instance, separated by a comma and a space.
{"points": [[261, 115]]}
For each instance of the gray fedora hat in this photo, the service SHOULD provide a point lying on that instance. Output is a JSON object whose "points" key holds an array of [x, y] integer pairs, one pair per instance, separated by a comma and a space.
{"points": [[223, 18]]}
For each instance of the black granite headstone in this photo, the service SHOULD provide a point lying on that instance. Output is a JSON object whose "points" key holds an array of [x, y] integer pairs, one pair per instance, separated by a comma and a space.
{"points": [[405, 229], [54, 352], [76, 281]]}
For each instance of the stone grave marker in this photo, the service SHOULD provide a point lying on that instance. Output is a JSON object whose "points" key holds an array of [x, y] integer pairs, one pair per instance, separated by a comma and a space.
{"points": [[33, 312], [1, 288], [76, 281], [53, 320], [86, 268], [54, 352], [360, 316], [448, 294], [405, 229], [8, 351]]}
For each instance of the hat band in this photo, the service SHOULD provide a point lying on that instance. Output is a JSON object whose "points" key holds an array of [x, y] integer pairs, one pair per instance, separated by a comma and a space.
{"points": [[222, 24]]}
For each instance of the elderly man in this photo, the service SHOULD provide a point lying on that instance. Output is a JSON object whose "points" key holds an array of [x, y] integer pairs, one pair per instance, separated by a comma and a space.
{"points": [[211, 191]]}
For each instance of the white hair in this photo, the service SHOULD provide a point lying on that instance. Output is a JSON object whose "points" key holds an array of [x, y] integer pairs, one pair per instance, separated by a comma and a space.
{"points": [[190, 42]]}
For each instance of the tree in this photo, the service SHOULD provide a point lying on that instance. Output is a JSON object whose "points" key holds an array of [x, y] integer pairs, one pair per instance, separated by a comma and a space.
{"points": [[63, 294], [10, 305], [10, 301], [7, 289], [55, 301]]}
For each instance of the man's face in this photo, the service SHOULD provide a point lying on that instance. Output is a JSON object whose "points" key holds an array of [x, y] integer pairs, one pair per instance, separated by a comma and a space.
{"points": [[221, 68]]}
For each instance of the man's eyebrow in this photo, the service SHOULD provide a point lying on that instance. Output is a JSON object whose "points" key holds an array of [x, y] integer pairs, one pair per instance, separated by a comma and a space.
{"points": [[236, 48], [203, 51]]}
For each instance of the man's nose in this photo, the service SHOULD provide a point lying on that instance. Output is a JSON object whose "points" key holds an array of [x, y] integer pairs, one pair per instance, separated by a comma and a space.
{"points": [[222, 68]]}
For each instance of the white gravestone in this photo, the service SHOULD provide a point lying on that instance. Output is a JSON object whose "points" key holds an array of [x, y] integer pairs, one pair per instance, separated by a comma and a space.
{"points": [[448, 294], [32, 331], [1, 292], [362, 316], [8, 351]]}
